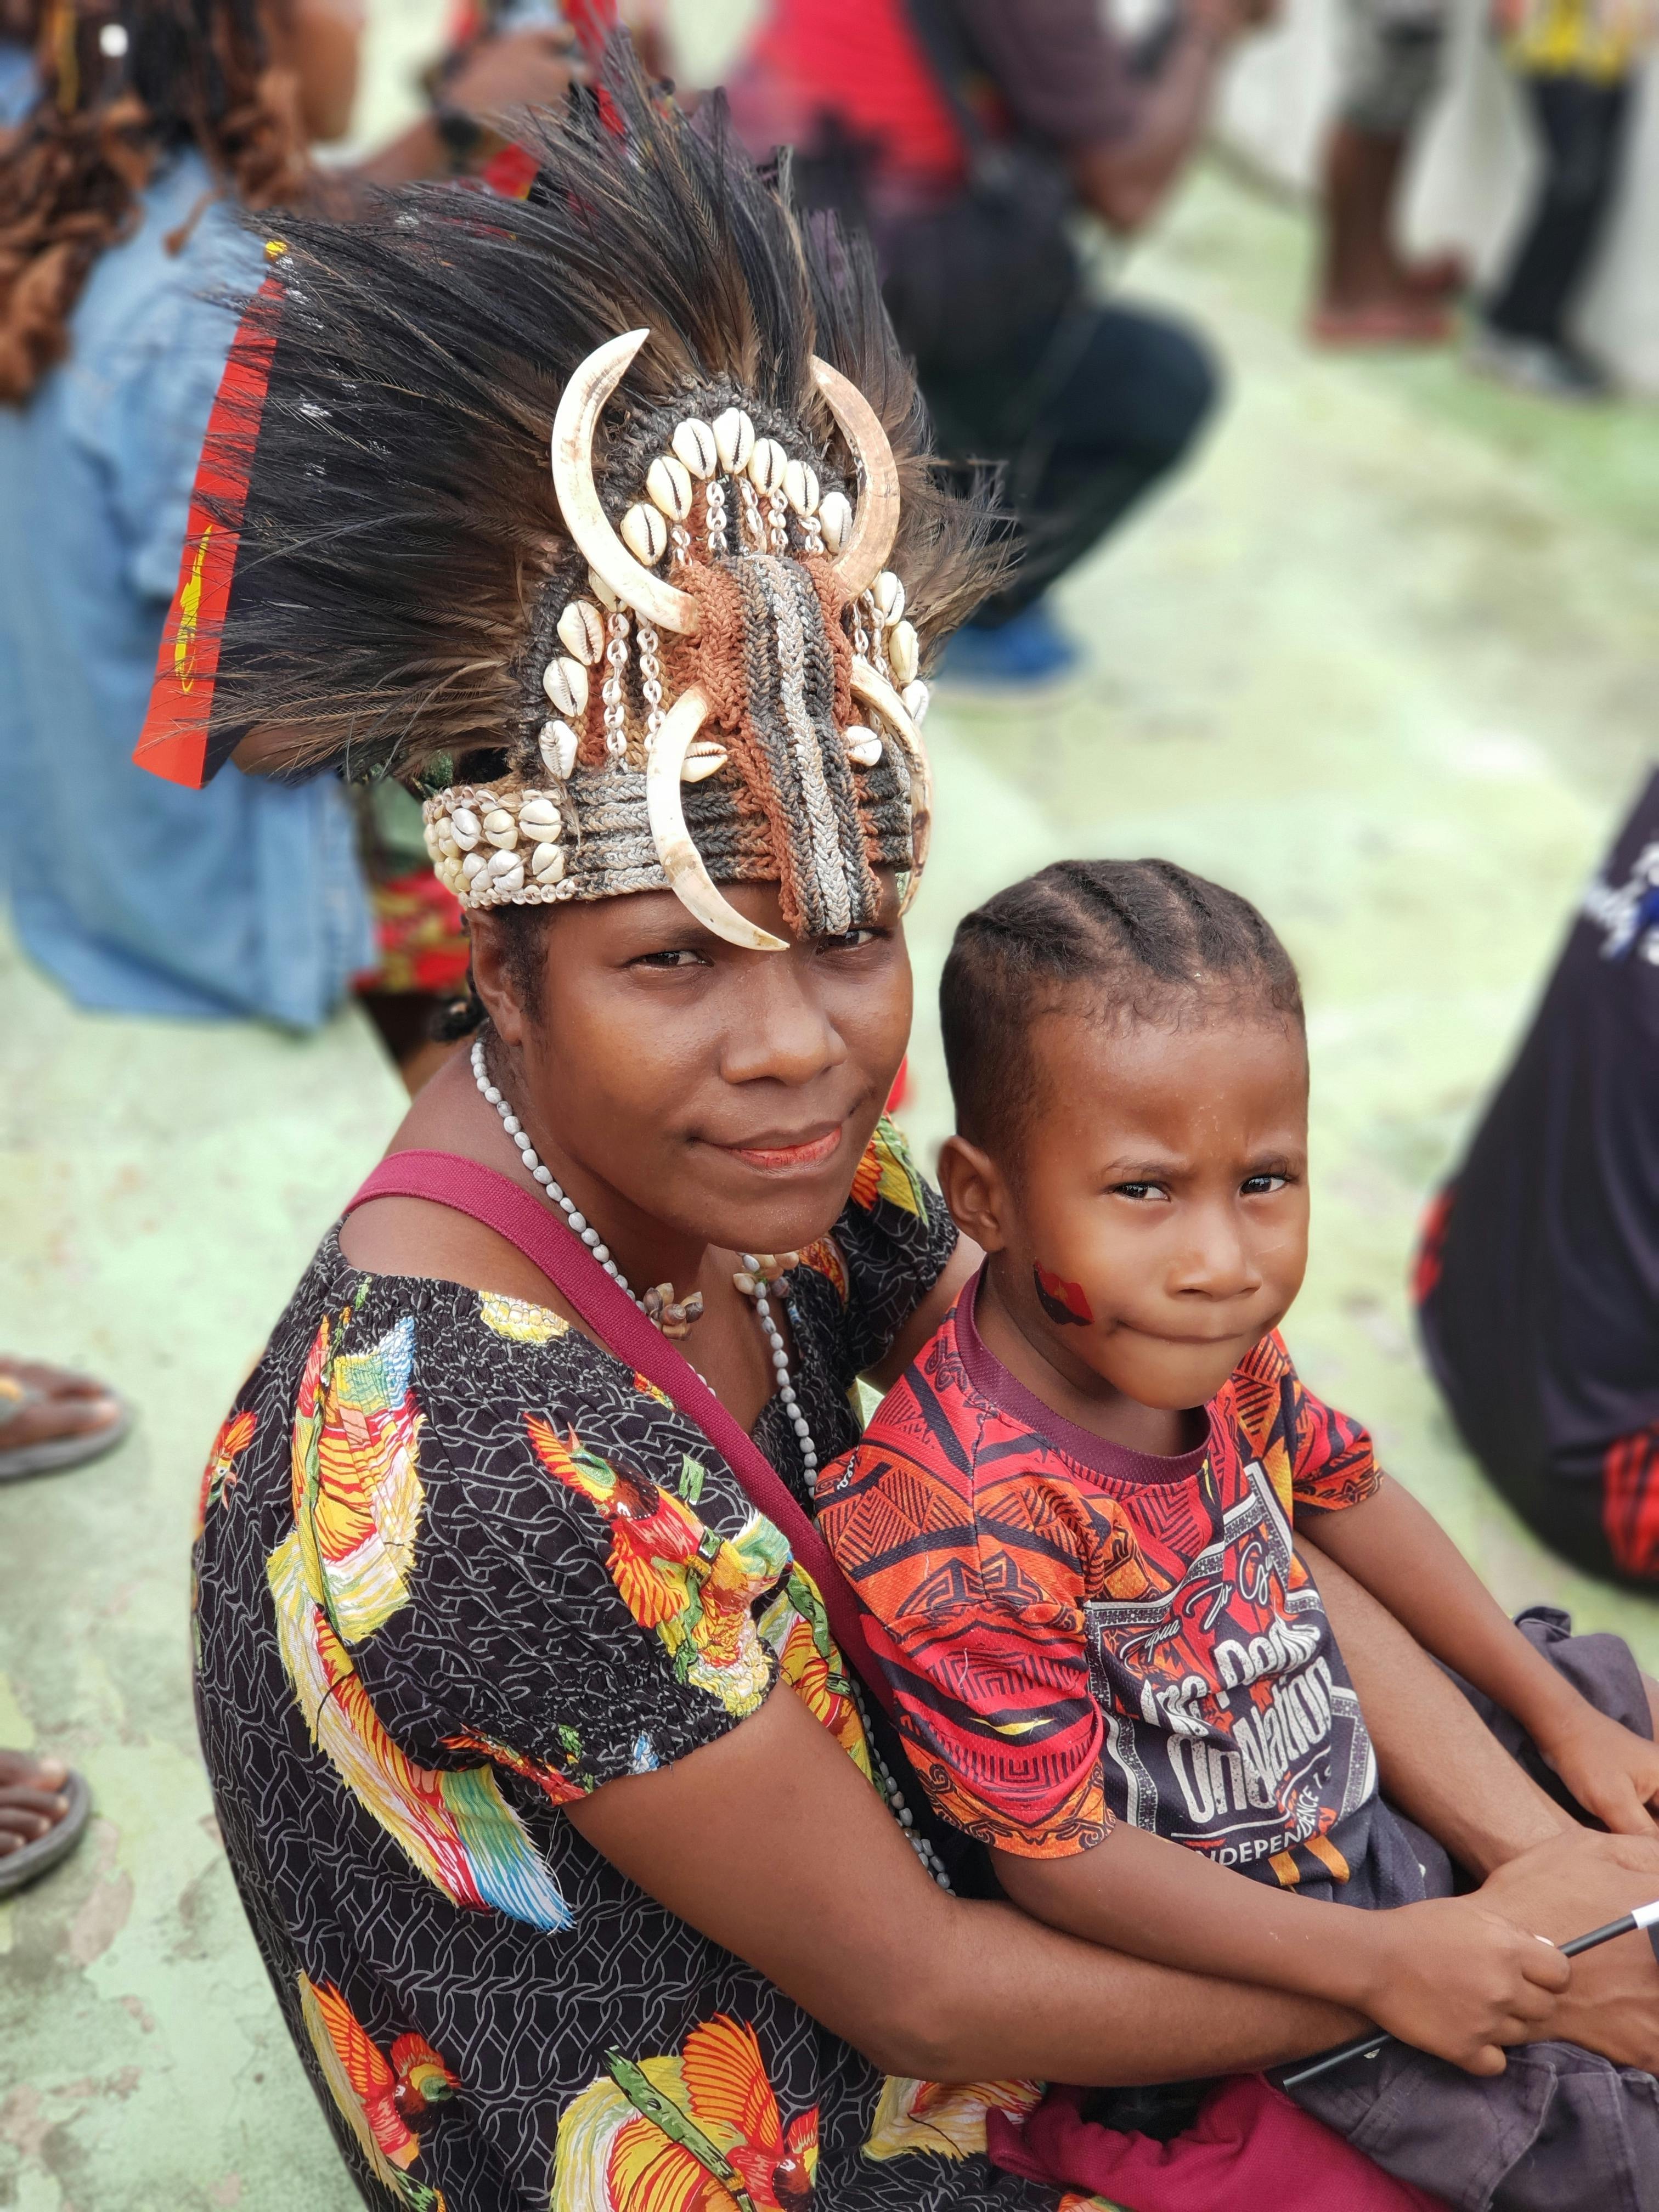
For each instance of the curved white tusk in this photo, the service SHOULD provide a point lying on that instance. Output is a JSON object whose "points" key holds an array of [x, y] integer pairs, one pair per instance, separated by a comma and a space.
{"points": [[681, 863], [864, 557], [574, 425], [872, 690]]}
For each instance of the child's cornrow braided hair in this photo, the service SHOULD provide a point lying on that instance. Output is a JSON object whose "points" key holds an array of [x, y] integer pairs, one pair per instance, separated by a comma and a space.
{"points": [[1128, 940], [120, 85]]}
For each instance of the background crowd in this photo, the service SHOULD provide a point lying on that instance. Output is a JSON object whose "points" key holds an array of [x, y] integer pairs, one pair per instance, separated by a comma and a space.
{"points": [[1019, 161]]}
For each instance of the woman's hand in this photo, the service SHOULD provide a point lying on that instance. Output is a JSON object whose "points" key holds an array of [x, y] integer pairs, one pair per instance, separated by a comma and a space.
{"points": [[1611, 1771], [1455, 1977]]}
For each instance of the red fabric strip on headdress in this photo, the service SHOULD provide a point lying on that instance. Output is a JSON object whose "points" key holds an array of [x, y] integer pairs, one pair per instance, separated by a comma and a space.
{"points": [[174, 742]]}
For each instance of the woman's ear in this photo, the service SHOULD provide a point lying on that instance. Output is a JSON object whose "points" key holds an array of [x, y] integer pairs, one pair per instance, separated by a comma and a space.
{"points": [[975, 1191], [493, 981]]}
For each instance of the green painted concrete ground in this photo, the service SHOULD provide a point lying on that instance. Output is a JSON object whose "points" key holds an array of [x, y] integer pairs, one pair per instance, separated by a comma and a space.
{"points": [[1384, 660]]}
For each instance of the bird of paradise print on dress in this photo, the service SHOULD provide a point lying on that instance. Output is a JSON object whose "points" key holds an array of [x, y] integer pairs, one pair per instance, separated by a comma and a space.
{"points": [[797, 1627], [944, 2118], [377, 2093], [340, 1574], [235, 1435], [696, 1590], [699, 2133], [885, 1172]]}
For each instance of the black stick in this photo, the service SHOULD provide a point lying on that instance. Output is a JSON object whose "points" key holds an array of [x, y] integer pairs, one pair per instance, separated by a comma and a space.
{"points": [[1367, 2046]]}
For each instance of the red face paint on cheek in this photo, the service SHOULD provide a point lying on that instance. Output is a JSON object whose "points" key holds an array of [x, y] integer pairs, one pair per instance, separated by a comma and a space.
{"points": [[1061, 1301]]}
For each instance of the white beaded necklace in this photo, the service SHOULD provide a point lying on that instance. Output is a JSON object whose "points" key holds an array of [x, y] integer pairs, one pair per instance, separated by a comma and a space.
{"points": [[752, 1282]]}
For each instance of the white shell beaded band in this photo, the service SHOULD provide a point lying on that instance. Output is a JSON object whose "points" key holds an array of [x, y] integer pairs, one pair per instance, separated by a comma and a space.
{"points": [[791, 748]]}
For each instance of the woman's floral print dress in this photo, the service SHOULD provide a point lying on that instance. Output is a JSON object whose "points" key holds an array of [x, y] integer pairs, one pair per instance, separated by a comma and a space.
{"points": [[458, 1567]]}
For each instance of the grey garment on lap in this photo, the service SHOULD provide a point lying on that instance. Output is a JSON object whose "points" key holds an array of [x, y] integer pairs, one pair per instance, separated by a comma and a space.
{"points": [[1389, 62], [1560, 2130]]}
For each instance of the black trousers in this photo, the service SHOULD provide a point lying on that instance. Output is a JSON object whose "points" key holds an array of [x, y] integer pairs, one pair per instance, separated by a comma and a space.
{"points": [[1083, 418], [1583, 127]]}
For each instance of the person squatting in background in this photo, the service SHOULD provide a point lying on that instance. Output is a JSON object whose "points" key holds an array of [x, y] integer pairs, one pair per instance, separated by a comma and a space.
{"points": [[135, 130], [1537, 1280], [964, 133]]}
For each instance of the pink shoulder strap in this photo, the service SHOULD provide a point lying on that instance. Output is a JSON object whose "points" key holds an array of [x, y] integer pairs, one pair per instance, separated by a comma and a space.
{"points": [[464, 1186]]}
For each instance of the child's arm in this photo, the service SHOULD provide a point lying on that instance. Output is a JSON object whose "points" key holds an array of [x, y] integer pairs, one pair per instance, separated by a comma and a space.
{"points": [[1402, 1556], [1450, 1976]]}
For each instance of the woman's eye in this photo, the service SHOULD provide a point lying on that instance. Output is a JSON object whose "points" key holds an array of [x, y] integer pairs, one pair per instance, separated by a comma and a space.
{"points": [[850, 940], [674, 955], [1262, 1185]]}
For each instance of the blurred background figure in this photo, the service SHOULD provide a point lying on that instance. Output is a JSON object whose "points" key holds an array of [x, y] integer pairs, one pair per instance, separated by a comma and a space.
{"points": [[1576, 61], [1369, 294], [140, 128], [967, 133], [1538, 1279]]}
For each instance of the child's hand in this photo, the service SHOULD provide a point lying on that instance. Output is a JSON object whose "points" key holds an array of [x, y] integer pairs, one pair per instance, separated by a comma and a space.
{"points": [[1611, 1771], [1455, 1980]]}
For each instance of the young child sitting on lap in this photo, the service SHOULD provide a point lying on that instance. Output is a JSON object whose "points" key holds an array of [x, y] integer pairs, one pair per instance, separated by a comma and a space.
{"points": [[1071, 1523]]}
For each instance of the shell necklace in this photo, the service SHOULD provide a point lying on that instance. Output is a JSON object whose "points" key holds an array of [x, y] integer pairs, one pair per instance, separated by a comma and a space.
{"points": [[758, 1275]]}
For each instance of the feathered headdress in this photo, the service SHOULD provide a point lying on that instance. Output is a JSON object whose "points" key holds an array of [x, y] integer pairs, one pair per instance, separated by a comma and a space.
{"points": [[610, 508]]}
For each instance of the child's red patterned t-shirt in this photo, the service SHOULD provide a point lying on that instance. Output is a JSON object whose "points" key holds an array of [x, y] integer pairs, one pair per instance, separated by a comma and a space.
{"points": [[1077, 1632]]}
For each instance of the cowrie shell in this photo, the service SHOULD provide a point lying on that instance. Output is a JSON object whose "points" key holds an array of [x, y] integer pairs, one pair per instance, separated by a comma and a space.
{"points": [[473, 864], [581, 632], [448, 848], [502, 863], [463, 828], [511, 879], [800, 488], [547, 864], [864, 747], [766, 466], [645, 534], [502, 829], [602, 592], [558, 743], [668, 485], [835, 518], [734, 439], [889, 595], [903, 652], [540, 816], [694, 445], [700, 765], [916, 699], [565, 683]]}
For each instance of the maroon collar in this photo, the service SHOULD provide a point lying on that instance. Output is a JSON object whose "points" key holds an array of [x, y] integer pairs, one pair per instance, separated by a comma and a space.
{"points": [[1009, 1395]]}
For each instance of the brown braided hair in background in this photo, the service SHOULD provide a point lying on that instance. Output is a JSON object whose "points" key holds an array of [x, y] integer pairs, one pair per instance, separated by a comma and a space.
{"points": [[201, 72]]}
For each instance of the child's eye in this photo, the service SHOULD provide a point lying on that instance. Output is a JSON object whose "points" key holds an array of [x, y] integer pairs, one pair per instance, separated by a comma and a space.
{"points": [[1137, 1190], [1262, 1185]]}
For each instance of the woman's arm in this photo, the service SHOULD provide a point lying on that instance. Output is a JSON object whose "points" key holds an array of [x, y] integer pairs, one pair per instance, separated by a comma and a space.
{"points": [[772, 1845], [1438, 1761], [1405, 1558], [958, 1271]]}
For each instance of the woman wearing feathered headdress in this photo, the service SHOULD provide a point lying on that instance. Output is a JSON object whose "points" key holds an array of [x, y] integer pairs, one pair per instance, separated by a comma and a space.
{"points": [[605, 518]]}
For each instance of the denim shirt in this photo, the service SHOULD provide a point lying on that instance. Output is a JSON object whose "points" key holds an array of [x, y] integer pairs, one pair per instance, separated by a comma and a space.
{"points": [[138, 897]]}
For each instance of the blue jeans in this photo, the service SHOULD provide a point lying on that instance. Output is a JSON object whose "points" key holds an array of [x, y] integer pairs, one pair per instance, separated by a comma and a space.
{"points": [[1082, 419]]}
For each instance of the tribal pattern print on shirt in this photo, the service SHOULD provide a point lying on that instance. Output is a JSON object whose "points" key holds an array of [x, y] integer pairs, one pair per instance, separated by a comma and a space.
{"points": [[1076, 1642]]}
